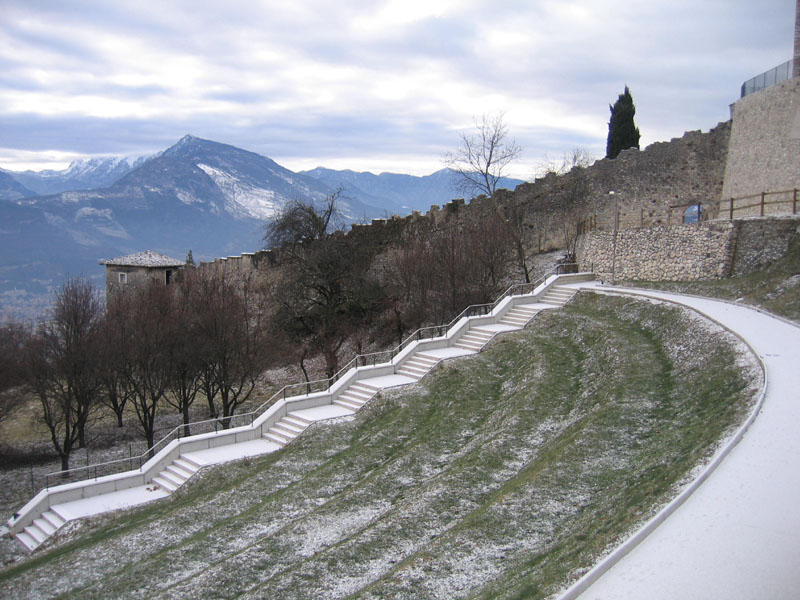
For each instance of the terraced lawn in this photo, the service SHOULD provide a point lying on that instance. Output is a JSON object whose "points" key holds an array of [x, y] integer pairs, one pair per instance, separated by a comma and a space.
{"points": [[499, 476]]}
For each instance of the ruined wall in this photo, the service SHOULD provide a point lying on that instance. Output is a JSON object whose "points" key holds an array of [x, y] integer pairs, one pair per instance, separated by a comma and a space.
{"points": [[640, 185], [549, 211], [708, 250]]}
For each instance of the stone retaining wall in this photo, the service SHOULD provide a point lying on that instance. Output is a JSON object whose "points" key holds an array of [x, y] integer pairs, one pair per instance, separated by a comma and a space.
{"points": [[708, 250]]}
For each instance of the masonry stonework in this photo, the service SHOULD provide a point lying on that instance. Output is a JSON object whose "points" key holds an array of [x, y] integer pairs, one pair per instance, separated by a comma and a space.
{"points": [[708, 250], [764, 154]]}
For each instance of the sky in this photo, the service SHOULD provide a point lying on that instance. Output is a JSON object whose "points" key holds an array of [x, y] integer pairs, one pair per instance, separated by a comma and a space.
{"points": [[382, 85]]}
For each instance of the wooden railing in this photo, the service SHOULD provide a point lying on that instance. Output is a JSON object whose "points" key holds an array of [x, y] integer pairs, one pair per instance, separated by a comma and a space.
{"points": [[760, 204]]}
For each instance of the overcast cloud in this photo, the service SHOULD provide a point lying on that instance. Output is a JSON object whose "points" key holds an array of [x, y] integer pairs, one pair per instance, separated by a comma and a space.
{"points": [[368, 85]]}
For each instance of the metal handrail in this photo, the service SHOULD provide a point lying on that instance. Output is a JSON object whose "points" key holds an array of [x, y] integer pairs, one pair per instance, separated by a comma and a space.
{"points": [[176, 432]]}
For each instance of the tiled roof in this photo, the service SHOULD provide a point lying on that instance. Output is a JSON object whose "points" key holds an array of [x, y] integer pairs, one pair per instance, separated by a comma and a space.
{"points": [[148, 258]]}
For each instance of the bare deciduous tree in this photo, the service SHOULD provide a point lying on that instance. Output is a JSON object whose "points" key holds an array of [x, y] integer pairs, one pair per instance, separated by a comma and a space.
{"points": [[325, 291], [13, 337], [116, 390], [577, 157], [230, 336], [303, 221], [481, 160], [62, 365], [145, 322], [185, 358]]}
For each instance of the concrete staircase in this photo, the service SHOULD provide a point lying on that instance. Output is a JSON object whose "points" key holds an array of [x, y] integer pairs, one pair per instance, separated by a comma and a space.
{"points": [[417, 366], [518, 316], [356, 395], [41, 529], [474, 339], [170, 479], [176, 474], [558, 296], [286, 429]]}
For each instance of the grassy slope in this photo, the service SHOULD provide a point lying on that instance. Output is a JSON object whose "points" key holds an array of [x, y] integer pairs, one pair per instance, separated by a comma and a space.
{"points": [[501, 476], [775, 289]]}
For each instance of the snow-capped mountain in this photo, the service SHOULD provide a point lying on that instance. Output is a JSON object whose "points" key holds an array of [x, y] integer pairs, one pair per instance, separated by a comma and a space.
{"points": [[80, 175], [198, 194], [201, 195]]}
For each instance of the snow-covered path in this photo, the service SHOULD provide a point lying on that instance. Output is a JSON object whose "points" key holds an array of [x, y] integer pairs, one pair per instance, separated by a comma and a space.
{"points": [[738, 535]]}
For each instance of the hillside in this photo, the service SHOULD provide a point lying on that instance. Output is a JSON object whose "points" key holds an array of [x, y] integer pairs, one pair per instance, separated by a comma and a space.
{"points": [[498, 476]]}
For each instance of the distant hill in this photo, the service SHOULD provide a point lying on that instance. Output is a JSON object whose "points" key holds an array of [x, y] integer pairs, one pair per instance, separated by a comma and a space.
{"points": [[11, 188], [398, 193]]}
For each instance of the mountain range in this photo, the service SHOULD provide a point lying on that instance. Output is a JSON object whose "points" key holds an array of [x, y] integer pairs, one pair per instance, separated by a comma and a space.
{"points": [[198, 194]]}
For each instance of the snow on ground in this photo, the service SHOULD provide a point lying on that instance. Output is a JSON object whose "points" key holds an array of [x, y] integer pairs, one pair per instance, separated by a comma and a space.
{"points": [[243, 199], [736, 536], [347, 525]]}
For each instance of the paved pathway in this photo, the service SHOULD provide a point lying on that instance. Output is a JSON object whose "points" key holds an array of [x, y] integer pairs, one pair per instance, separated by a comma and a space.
{"points": [[738, 535]]}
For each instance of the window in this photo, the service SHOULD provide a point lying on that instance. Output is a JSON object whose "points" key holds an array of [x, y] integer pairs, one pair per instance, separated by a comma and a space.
{"points": [[693, 214], [169, 276], [123, 277]]}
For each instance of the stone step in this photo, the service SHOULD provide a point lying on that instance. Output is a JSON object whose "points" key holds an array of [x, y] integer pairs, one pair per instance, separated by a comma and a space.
{"points": [[298, 422], [557, 296], [288, 427], [54, 518], [476, 338], [44, 526], [514, 320], [172, 477], [187, 464], [281, 441], [420, 371], [431, 360], [467, 345], [409, 373], [424, 358], [417, 365], [300, 418], [27, 541], [353, 397], [179, 471], [282, 434], [358, 393], [520, 312], [555, 300], [34, 532], [164, 483], [348, 404], [367, 387]]}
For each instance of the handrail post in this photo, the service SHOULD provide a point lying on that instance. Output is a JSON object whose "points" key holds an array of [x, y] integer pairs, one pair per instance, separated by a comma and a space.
{"points": [[731, 212], [794, 202], [762, 203]]}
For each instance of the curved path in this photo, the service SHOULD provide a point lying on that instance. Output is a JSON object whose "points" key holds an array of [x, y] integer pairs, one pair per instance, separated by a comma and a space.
{"points": [[737, 536]]}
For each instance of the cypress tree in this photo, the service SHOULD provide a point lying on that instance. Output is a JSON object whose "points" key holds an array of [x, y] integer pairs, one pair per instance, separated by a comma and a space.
{"points": [[622, 131]]}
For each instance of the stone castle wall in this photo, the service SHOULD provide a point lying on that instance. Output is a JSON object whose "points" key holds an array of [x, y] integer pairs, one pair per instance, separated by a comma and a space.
{"points": [[641, 185], [764, 151]]}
